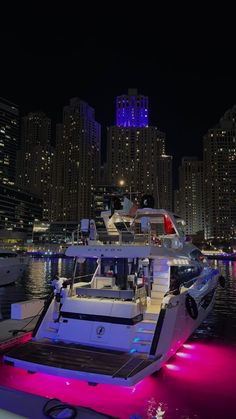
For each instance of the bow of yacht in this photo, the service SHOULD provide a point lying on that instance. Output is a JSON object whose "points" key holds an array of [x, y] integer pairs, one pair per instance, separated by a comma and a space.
{"points": [[12, 266]]}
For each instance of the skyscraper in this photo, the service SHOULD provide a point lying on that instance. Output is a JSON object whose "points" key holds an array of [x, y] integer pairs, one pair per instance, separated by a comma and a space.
{"points": [[191, 197], [34, 160], [9, 141], [220, 177], [132, 110], [164, 182], [136, 151], [18, 212], [77, 162]]}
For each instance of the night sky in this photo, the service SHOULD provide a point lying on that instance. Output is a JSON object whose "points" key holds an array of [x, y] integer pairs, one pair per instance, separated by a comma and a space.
{"points": [[188, 87]]}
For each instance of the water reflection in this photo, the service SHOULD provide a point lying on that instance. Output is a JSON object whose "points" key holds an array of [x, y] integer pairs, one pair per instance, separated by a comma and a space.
{"points": [[36, 281], [200, 385]]}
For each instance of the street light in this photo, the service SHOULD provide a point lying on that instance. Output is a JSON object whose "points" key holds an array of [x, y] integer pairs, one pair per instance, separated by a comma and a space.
{"points": [[122, 183]]}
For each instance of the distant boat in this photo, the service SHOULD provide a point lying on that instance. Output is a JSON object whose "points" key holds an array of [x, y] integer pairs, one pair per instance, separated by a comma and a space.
{"points": [[150, 290], [220, 256], [12, 266]]}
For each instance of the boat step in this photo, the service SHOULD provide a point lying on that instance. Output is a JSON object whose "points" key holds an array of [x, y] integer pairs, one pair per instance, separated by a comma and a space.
{"points": [[161, 262], [146, 325], [143, 346], [160, 281], [151, 316], [146, 335], [160, 288], [49, 334], [157, 299], [157, 294], [158, 278], [53, 325]]}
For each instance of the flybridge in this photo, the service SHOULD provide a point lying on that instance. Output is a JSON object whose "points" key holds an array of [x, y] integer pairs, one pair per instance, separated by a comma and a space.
{"points": [[148, 227]]}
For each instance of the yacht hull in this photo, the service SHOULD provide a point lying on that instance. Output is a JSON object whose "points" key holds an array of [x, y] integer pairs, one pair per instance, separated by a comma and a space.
{"points": [[10, 272], [102, 365]]}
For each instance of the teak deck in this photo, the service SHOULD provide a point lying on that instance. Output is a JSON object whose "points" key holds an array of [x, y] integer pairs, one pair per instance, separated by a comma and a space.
{"points": [[79, 358]]}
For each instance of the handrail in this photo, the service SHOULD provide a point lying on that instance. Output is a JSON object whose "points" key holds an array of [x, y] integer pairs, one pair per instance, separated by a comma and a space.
{"points": [[94, 275]]}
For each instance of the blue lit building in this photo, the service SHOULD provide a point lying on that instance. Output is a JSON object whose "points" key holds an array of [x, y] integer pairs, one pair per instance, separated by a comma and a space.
{"points": [[136, 156], [132, 110]]}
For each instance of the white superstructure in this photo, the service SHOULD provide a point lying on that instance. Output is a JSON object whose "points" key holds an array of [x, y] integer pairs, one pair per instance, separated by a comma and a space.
{"points": [[150, 290]]}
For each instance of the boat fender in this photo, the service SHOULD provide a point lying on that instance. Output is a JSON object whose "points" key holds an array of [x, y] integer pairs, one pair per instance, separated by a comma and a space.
{"points": [[221, 280], [191, 306]]}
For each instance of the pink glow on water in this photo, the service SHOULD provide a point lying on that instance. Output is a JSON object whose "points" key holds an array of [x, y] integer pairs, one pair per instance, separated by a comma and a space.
{"points": [[172, 367], [184, 355], [234, 269], [188, 346], [200, 386]]}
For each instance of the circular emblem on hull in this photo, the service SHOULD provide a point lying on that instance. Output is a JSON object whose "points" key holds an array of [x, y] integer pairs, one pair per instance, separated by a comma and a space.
{"points": [[100, 330]]}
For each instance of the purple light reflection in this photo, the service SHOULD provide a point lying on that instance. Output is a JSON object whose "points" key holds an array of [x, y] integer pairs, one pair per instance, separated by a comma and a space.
{"points": [[199, 384]]}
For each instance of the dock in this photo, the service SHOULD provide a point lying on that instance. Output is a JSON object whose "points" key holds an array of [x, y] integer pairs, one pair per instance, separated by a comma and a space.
{"points": [[13, 332], [18, 404], [19, 328]]}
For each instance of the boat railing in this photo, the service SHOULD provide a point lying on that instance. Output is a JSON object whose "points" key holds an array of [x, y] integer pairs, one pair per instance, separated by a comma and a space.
{"points": [[129, 237], [94, 280]]}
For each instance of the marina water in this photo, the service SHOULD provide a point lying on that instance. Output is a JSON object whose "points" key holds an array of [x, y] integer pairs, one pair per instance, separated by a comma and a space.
{"points": [[198, 382]]}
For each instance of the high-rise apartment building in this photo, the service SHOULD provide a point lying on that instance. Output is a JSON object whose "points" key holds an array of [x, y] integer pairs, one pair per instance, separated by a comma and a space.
{"points": [[9, 141], [220, 177], [164, 182], [34, 159], [189, 203], [76, 162], [18, 212], [136, 151]]}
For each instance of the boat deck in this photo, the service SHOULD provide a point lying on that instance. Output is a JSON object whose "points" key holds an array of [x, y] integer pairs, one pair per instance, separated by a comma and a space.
{"points": [[78, 358]]}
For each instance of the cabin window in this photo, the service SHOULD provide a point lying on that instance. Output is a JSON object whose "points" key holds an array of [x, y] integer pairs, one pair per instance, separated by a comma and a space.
{"points": [[182, 274], [197, 255]]}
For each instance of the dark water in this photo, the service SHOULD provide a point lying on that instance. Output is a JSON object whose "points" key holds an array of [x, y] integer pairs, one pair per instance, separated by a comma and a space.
{"points": [[198, 382]]}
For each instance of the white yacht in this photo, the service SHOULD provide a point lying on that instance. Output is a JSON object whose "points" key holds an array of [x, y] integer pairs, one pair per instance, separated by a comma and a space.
{"points": [[12, 266], [150, 290]]}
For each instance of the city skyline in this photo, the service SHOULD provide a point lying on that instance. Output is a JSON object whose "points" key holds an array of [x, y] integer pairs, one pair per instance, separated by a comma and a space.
{"points": [[184, 101]]}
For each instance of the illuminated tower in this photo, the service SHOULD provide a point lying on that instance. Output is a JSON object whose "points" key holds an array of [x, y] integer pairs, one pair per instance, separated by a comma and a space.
{"points": [[132, 110], [136, 152]]}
